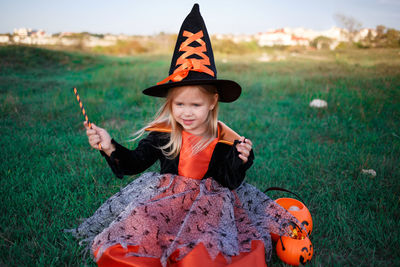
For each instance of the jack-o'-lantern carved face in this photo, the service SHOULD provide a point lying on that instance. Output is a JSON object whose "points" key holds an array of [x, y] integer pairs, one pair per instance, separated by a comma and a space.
{"points": [[306, 255], [295, 250], [308, 226]]}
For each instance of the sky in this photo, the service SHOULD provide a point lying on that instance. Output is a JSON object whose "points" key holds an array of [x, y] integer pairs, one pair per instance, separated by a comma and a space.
{"points": [[134, 17]]}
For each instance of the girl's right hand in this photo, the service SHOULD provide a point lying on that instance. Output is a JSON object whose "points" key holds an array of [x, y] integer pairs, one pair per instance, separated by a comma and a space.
{"points": [[96, 136]]}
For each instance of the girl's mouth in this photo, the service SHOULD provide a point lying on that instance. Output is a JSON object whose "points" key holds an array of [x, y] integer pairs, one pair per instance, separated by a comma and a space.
{"points": [[188, 122]]}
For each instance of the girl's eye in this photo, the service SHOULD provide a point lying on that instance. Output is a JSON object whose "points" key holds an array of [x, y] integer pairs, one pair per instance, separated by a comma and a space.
{"points": [[196, 105], [179, 104]]}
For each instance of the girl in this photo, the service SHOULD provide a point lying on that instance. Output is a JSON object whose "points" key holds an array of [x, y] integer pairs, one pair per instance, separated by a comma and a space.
{"points": [[197, 211], [191, 113]]}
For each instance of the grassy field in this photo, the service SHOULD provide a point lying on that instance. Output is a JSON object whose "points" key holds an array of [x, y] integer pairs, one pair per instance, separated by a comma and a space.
{"points": [[51, 178]]}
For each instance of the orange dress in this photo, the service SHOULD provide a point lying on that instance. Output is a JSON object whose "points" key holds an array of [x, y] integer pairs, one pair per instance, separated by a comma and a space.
{"points": [[185, 218], [194, 167]]}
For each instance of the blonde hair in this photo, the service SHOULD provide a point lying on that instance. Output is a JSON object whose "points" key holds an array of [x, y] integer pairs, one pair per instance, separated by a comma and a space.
{"points": [[164, 116]]}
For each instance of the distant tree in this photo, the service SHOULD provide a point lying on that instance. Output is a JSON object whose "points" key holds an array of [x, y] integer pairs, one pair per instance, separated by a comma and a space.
{"points": [[350, 24], [98, 35], [368, 41], [227, 46], [380, 38], [386, 37], [321, 42], [380, 31], [392, 38]]}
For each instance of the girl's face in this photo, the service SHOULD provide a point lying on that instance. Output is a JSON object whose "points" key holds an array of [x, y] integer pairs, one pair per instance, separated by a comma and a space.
{"points": [[191, 106]]}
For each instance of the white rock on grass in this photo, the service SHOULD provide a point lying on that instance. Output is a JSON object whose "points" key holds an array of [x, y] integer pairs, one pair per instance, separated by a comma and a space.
{"points": [[264, 58], [370, 172], [318, 103]]}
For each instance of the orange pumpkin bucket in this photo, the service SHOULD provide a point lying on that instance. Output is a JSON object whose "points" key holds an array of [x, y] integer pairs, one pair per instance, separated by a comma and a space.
{"points": [[298, 210], [295, 250]]}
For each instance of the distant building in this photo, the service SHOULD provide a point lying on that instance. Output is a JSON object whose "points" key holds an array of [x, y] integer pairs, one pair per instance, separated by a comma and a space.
{"points": [[300, 41], [22, 32], [284, 36], [93, 41], [65, 34], [4, 39], [274, 37], [37, 33], [297, 36], [363, 33]]}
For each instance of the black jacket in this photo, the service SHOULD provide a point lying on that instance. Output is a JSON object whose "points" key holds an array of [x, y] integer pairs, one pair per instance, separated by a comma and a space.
{"points": [[225, 166]]}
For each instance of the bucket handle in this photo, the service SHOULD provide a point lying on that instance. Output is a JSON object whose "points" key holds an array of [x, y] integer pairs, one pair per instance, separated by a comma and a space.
{"points": [[284, 190]]}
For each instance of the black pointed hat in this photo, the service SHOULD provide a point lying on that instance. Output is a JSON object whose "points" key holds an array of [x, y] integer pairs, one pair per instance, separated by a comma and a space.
{"points": [[193, 62]]}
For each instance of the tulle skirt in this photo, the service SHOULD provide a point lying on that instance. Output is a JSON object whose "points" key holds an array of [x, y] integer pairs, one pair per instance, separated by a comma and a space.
{"points": [[170, 219]]}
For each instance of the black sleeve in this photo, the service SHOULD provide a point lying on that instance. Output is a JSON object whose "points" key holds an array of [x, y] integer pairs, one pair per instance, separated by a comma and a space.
{"points": [[230, 170], [124, 161]]}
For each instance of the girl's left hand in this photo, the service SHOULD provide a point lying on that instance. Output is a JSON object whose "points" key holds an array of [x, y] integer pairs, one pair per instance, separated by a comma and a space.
{"points": [[244, 148]]}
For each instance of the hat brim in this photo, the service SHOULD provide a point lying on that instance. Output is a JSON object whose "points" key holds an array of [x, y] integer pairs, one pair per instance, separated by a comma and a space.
{"points": [[228, 90]]}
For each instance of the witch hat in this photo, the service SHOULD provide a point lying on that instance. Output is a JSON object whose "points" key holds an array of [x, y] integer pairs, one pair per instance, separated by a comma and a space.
{"points": [[193, 62]]}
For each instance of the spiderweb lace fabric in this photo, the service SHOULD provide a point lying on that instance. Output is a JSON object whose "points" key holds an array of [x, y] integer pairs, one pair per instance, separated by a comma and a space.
{"points": [[165, 213]]}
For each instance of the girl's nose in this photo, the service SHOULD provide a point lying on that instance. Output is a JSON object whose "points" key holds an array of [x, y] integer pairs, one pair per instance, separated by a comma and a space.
{"points": [[187, 111]]}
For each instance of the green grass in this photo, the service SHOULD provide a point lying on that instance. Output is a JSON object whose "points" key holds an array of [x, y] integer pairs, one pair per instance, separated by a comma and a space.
{"points": [[50, 178]]}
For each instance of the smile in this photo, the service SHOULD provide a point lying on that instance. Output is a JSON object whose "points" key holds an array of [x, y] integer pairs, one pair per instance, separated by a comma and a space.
{"points": [[188, 122]]}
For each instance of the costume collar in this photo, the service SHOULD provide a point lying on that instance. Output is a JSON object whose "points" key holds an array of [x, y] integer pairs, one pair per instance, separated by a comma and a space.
{"points": [[225, 134]]}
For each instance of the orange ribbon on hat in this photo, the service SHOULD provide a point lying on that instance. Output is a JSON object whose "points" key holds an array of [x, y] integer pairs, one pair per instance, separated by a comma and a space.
{"points": [[190, 64]]}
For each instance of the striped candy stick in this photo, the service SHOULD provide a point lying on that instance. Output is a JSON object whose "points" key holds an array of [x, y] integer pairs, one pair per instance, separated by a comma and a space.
{"points": [[83, 111]]}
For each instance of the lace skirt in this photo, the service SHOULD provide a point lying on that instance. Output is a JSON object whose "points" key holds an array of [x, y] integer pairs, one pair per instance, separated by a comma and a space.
{"points": [[161, 214]]}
